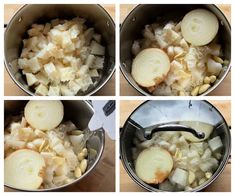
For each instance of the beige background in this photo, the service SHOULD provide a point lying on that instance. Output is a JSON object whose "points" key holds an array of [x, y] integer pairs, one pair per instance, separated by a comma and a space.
{"points": [[222, 183], [11, 89], [224, 89]]}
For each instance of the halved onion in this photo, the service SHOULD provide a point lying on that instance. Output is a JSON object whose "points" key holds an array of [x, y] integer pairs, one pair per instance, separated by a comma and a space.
{"points": [[153, 165], [150, 67], [22, 169], [44, 114], [199, 27]]}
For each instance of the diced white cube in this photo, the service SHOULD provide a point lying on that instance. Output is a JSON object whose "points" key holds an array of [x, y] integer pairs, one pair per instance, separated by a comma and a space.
{"points": [[67, 59], [54, 91], [88, 34], [66, 74], [25, 53], [75, 63], [84, 52], [31, 79], [215, 144], [42, 78], [67, 43], [97, 49], [80, 43], [41, 90], [74, 86], [74, 31], [23, 63], [56, 36], [179, 177], [85, 82], [93, 73], [50, 70], [83, 70], [47, 52], [65, 91], [34, 65], [161, 42], [99, 63], [32, 43], [171, 36], [90, 60]]}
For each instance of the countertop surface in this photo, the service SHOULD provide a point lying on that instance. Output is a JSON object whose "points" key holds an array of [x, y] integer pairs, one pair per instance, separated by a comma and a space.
{"points": [[224, 89], [221, 184], [11, 89]]}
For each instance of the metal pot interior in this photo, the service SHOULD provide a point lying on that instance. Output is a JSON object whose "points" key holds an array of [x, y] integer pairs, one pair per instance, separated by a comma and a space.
{"points": [[96, 17], [79, 112], [141, 15], [157, 112]]}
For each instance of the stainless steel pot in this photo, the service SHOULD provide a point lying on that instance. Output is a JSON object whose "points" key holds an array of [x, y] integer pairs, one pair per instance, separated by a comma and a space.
{"points": [[96, 16], [80, 113], [144, 14], [157, 112]]}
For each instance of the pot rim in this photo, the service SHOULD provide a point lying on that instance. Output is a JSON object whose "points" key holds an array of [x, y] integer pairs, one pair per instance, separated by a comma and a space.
{"points": [[21, 86], [149, 187], [79, 179], [139, 89]]}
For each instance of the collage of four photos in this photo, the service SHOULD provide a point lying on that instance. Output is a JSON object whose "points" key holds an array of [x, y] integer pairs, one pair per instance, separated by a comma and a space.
{"points": [[117, 97]]}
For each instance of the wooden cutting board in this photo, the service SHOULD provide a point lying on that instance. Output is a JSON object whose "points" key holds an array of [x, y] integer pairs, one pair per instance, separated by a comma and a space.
{"points": [[222, 183], [224, 89], [11, 89]]}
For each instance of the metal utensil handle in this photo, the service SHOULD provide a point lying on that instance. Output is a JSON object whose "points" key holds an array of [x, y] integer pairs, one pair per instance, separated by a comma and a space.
{"points": [[148, 132]]}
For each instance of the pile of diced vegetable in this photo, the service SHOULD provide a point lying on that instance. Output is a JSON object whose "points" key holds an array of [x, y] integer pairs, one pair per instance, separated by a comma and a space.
{"points": [[61, 57], [40, 151], [177, 161], [179, 58]]}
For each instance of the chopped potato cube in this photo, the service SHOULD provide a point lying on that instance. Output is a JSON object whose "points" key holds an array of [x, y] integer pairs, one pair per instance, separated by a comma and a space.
{"points": [[88, 34], [99, 63], [74, 31], [74, 86], [41, 90], [66, 74], [65, 91], [90, 60], [42, 78], [51, 71], [34, 65], [83, 70], [54, 91], [84, 82], [31, 79], [94, 73], [171, 36], [97, 49]]}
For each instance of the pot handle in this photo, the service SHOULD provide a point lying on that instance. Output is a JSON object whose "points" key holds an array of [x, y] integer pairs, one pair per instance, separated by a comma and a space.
{"points": [[148, 132]]}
